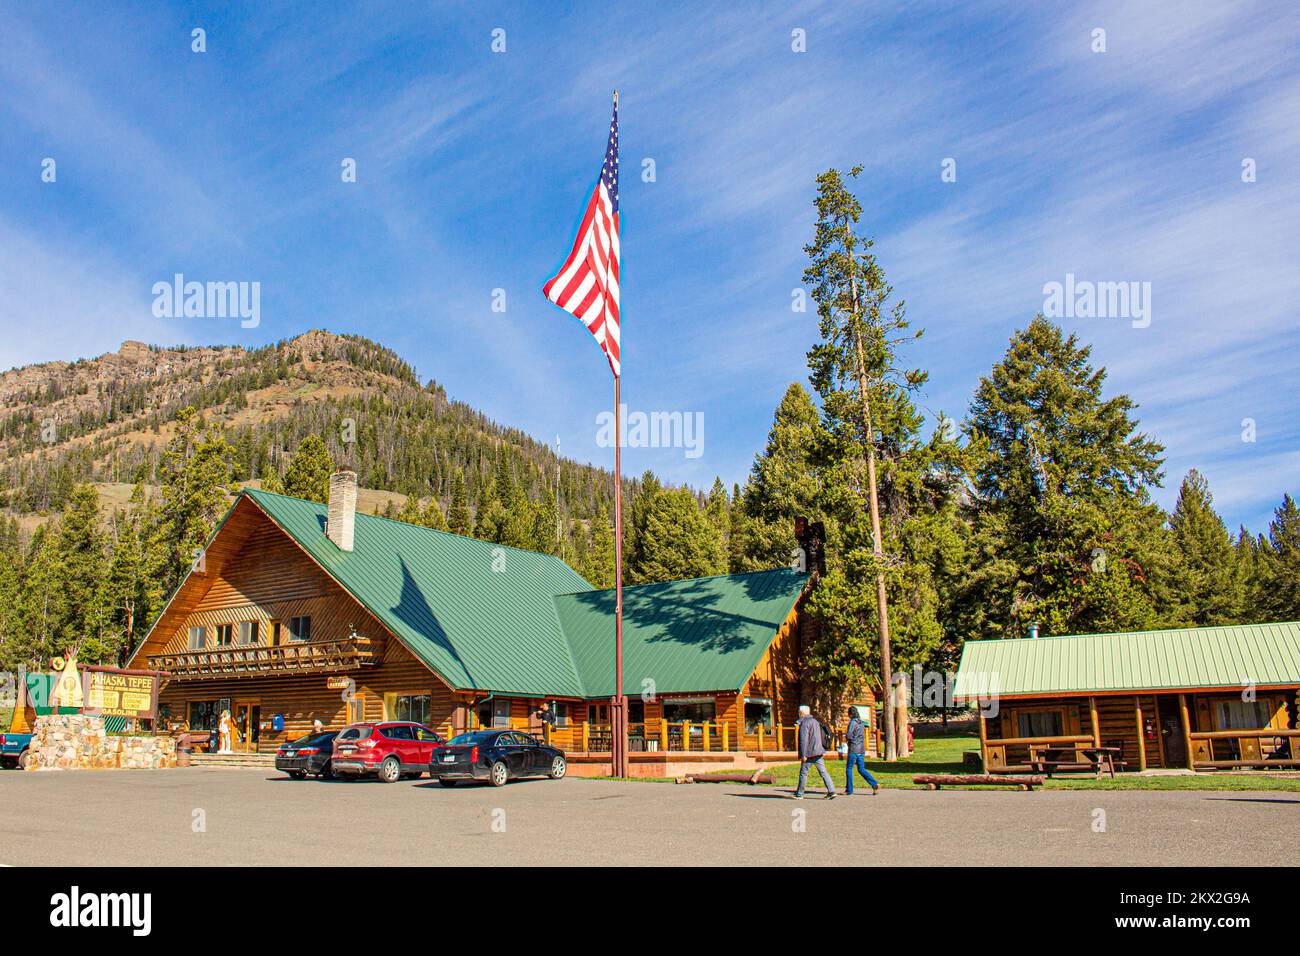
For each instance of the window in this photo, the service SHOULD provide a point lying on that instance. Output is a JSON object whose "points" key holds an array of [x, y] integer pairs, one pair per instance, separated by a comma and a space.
{"points": [[494, 712], [413, 707], [203, 715], [1040, 723], [758, 713], [1243, 714], [696, 710], [423, 733], [225, 635], [249, 632], [400, 732], [561, 711], [300, 628], [275, 633], [198, 638]]}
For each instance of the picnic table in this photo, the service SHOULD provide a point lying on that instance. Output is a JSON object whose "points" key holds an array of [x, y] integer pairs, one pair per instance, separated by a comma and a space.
{"points": [[1049, 759]]}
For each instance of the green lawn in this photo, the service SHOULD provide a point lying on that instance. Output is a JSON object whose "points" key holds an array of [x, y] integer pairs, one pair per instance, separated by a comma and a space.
{"points": [[944, 755]]}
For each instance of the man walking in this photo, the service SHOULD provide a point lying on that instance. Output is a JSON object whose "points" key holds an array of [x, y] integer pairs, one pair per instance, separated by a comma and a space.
{"points": [[857, 740], [812, 751]]}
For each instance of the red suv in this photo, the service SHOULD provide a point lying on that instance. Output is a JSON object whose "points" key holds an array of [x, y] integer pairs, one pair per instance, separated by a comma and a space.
{"points": [[391, 750]]}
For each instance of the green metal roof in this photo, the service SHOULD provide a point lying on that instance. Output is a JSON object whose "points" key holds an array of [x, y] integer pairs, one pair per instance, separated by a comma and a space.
{"points": [[702, 634], [1180, 658], [488, 617], [480, 614]]}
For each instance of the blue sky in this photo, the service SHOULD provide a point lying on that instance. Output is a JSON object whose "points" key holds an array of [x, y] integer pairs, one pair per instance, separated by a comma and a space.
{"points": [[473, 166]]}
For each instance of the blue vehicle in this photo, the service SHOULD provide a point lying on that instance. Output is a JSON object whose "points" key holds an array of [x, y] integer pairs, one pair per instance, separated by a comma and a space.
{"points": [[13, 750]]}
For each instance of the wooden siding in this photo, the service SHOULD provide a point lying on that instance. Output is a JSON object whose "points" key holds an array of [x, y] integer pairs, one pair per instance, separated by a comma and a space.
{"points": [[302, 699], [253, 571]]}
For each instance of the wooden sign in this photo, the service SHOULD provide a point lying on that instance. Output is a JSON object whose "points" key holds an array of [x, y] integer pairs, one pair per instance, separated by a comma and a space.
{"points": [[338, 683], [110, 692]]}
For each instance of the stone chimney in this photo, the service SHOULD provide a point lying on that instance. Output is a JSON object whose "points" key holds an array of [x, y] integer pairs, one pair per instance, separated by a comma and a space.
{"points": [[342, 509]]}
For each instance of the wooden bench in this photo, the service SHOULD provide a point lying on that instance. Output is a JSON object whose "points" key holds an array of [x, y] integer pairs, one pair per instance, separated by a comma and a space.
{"points": [[935, 781]]}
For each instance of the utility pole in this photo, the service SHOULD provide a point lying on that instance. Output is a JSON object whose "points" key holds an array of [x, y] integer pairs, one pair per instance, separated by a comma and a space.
{"points": [[882, 601]]}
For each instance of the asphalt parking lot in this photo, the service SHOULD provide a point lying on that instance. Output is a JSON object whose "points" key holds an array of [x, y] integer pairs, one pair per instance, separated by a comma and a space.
{"points": [[220, 816]]}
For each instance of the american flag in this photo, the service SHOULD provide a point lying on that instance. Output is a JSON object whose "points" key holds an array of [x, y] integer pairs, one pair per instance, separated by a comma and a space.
{"points": [[587, 284]]}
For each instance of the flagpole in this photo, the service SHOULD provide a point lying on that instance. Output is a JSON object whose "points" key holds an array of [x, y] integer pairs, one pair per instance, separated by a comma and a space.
{"points": [[618, 712]]}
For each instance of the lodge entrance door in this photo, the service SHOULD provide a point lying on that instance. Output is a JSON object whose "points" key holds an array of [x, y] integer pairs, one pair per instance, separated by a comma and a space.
{"points": [[248, 726], [1172, 744]]}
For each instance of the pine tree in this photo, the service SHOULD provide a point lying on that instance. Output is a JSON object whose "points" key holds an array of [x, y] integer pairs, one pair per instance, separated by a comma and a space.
{"points": [[308, 474], [785, 483], [1203, 580], [717, 511], [675, 540], [82, 576], [1281, 564], [196, 479], [1065, 532], [879, 479], [459, 519], [433, 517]]}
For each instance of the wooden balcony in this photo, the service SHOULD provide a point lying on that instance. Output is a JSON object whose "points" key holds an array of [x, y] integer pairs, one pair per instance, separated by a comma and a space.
{"points": [[259, 660]]}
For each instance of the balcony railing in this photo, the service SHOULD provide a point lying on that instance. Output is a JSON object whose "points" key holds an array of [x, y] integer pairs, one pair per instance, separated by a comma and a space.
{"points": [[249, 660]]}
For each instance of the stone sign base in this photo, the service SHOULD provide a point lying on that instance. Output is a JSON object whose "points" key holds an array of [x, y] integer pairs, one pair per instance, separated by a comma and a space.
{"points": [[78, 742]]}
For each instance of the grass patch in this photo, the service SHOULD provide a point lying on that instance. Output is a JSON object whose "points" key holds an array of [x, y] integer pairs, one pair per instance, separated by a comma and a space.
{"points": [[944, 755]]}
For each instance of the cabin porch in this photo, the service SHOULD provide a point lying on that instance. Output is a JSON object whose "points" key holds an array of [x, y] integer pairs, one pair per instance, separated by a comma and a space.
{"points": [[1196, 730]]}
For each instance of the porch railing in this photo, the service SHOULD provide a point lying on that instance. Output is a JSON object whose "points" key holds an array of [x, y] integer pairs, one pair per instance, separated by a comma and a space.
{"points": [[1245, 748], [257, 659], [657, 736]]}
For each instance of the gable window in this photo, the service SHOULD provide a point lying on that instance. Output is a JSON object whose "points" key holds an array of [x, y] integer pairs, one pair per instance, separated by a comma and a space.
{"points": [[758, 713], [300, 628], [225, 635], [198, 638], [249, 632], [1040, 723]]}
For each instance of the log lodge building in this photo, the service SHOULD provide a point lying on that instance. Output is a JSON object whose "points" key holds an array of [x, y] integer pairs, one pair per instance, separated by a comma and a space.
{"points": [[300, 612]]}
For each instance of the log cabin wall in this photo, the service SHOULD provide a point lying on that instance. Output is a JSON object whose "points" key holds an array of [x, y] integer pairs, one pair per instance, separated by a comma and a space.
{"points": [[302, 699], [778, 676], [270, 579]]}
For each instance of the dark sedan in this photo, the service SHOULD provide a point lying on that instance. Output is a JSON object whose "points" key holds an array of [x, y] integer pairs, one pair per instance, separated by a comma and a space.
{"points": [[308, 755], [496, 756]]}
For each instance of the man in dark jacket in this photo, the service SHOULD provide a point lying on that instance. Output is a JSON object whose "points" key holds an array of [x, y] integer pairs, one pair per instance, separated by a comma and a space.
{"points": [[856, 736], [812, 752]]}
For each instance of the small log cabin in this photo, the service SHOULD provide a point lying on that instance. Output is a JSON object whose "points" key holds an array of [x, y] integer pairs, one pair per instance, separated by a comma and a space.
{"points": [[1199, 698], [301, 612]]}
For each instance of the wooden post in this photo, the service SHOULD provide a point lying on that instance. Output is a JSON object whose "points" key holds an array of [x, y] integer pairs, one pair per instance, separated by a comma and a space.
{"points": [[1096, 724], [1187, 732], [705, 726], [984, 740], [663, 734], [760, 738], [586, 736], [686, 735], [1142, 736], [726, 743]]}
